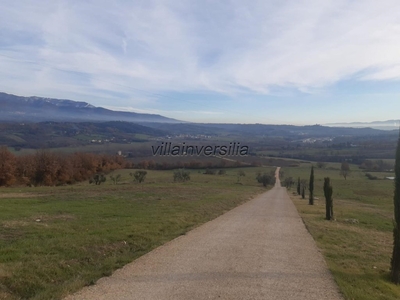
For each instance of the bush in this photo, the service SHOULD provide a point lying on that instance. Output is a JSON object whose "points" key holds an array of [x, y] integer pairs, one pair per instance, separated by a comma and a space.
{"points": [[371, 177], [139, 176], [181, 175], [241, 173], [265, 179], [97, 179], [210, 171], [115, 179], [288, 182]]}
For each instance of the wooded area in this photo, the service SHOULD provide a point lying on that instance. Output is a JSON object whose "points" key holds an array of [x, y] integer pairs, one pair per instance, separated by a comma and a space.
{"points": [[48, 168]]}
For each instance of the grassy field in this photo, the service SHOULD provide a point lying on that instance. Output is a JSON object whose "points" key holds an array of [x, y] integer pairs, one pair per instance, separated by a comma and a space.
{"points": [[357, 245], [55, 240]]}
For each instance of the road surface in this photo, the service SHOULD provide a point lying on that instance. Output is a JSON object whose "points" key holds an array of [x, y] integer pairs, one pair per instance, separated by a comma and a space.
{"points": [[259, 250]]}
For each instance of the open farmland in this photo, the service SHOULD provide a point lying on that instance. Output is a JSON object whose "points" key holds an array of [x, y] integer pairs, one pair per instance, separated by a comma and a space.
{"points": [[55, 240]]}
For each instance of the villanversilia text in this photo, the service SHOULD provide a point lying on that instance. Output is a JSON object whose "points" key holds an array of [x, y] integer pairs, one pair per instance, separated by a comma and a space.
{"points": [[168, 149]]}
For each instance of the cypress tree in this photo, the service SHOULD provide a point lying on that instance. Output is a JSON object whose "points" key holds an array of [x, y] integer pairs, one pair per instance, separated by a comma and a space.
{"points": [[311, 187], [328, 198], [395, 262], [298, 186]]}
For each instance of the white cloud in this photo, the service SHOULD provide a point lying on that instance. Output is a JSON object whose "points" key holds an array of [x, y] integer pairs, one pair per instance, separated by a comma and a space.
{"points": [[227, 47]]}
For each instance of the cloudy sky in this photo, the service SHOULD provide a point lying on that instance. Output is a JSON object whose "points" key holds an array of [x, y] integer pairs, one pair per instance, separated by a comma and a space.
{"points": [[267, 61]]}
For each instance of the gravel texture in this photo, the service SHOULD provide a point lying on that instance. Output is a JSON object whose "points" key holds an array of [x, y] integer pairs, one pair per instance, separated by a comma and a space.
{"points": [[259, 250]]}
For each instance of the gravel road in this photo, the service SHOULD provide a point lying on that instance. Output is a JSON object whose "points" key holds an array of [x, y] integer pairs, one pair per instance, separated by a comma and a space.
{"points": [[259, 250]]}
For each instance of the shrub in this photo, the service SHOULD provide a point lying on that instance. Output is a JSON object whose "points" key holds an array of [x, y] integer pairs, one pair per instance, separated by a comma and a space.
{"points": [[97, 179], [265, 179], [139, 176], [210, 171], [371, 177], [116, 178], [181, 175]]}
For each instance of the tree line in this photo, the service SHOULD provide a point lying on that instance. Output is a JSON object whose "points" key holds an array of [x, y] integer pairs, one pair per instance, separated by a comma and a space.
{"points": [[49, 168]]}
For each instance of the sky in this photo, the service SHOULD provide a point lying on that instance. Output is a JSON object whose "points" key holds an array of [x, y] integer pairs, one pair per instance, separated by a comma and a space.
{"points": [[269, 61]]}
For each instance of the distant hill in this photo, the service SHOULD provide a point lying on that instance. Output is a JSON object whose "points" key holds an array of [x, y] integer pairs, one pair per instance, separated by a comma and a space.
{"points": [[38, 109], [262, 130], [382, 125], [65, 134]]}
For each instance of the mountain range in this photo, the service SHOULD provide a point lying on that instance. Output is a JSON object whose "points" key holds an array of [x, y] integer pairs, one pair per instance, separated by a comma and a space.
{"points": [[38, 109], [35, 122], [382, 125]]}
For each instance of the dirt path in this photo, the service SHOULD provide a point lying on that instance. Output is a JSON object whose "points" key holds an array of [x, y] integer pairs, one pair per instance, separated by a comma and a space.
{"points": [[259, 250]]}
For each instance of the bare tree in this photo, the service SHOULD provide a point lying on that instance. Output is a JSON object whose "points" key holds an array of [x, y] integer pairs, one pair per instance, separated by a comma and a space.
{"points": [[345, 169]]}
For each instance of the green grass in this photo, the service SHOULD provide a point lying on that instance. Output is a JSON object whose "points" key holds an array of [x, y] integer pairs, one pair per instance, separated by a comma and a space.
{"points": [[358, 254], [55, 240]]}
